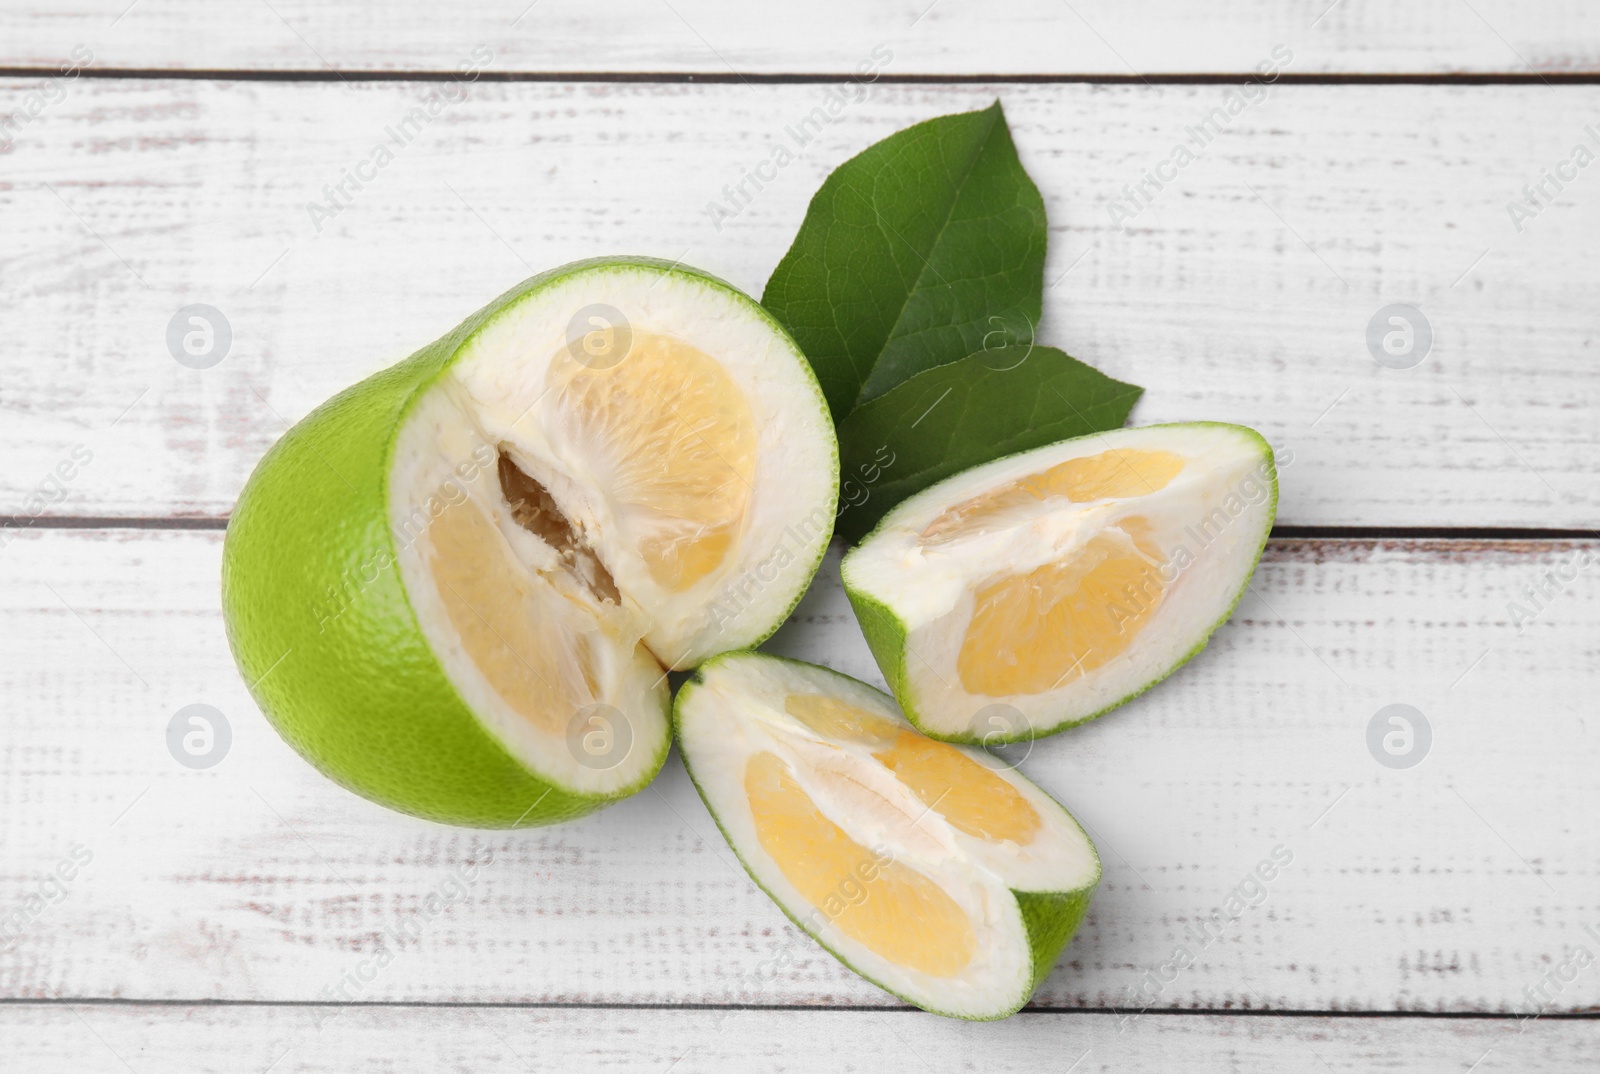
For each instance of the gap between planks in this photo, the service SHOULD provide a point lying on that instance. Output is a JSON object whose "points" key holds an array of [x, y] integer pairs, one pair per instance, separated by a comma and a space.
{"points": [[532, 1005], [798, 78], [1279, 533]]}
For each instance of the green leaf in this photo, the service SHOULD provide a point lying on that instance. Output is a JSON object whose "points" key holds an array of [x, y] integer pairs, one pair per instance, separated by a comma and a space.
{"points": [[915, 287], [987, 405], [925, 248]]}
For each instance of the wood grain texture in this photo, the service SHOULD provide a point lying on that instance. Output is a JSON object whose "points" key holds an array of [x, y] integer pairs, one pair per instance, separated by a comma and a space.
{"points": [[1456, 885], [88, 1039], [832, 36], [1243, 292]]}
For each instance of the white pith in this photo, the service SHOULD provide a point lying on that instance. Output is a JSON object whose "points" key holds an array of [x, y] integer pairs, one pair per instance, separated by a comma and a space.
{"points": [[502, 368], [493, 399], [436, 470], [737, 710], [930, 588]]}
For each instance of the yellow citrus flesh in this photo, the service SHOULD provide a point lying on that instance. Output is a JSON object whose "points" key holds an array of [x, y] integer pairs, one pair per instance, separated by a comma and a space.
{"points": [[887, 907], [1033, 632], [1143, 534], [964, 792], [1109, 475], [678, 441], [509, 621], [1115, 475], [833, 719]]}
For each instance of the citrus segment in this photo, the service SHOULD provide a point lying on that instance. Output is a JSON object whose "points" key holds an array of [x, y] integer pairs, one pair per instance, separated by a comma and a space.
{"points": [[940, 876], [967, 794], [1108, 475], [1142, 532], [1040, 630], [831, 718], [945, 780], [1038, 591], [542, 671], [676, 439], [891, 909], [1114, 475]]}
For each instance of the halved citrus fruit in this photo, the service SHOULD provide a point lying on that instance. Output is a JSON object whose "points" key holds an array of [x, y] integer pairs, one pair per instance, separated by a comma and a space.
{"points": [[1038, 591], [456, 587], [934, 871]]}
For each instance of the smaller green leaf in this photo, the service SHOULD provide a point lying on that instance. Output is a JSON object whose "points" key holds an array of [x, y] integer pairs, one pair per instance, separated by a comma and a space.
{"points": [[987, 405]]}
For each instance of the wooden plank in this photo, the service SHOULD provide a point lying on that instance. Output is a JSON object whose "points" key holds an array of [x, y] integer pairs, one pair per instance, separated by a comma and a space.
{"points": [[1243, 292], [1093, 37], [90, 1039], [1466, 883]]}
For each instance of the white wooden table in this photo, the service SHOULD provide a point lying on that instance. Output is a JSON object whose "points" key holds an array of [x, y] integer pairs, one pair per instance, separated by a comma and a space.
{"points": [[225, 919]]}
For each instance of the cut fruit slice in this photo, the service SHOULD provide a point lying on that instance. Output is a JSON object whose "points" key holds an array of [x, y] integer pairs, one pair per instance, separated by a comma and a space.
{"points": [[934, 871], [456, 588], [1038, 591]]}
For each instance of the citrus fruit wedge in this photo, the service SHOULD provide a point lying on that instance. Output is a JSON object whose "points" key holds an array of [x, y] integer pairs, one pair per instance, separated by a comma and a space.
{"points": [[456, 587], [1038, 591], [934, 871]]}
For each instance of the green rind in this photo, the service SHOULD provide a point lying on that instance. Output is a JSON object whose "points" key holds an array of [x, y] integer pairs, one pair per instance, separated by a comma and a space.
{"points": [[886, 637], [361, 694], [1050, 918], [886, 633]]}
